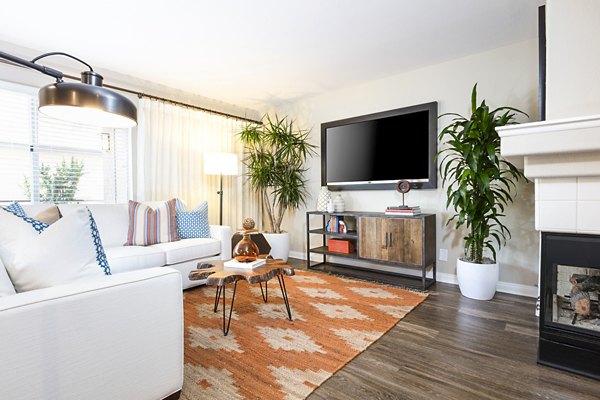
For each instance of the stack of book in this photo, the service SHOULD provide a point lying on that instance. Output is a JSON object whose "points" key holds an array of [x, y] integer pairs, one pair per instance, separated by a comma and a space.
{"points": [[336, 224], [244, 265], [403, 210]]}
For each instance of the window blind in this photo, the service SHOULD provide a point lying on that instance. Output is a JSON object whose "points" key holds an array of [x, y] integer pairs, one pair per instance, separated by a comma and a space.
{"points": [[48, 160]]}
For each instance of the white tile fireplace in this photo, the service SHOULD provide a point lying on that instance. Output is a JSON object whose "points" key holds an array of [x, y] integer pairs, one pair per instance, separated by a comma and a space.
{"points": [[563, 158]]}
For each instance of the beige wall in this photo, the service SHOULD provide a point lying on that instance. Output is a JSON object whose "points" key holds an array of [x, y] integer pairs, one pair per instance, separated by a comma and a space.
{"points": [[573, 58], [506, 76]]}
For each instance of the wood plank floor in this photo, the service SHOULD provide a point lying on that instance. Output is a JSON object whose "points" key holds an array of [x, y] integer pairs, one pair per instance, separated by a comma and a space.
{"points": [[452, 347]]}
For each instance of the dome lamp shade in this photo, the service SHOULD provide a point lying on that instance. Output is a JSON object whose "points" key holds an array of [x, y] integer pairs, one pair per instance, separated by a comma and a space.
{"points": [[86, 102]]}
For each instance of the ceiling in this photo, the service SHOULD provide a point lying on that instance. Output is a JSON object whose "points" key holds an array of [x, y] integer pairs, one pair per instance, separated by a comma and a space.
{"points": [[250, 53]]}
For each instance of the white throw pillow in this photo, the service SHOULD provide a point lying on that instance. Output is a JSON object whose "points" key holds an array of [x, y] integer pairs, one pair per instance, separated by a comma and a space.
{"points": [[68, 250], [6, 286]]}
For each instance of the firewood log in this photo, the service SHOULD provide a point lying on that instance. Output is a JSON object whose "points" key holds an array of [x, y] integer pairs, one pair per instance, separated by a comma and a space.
{"points": [[580, 301], [577, 278], [590, 284]]}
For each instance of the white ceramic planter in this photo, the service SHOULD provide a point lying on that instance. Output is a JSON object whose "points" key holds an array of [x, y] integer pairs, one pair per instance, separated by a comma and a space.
{"points": [[477, 281], [280, 244]]}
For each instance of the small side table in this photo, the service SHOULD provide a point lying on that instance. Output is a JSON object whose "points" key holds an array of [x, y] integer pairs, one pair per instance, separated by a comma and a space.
{"points": [[219, 276]]}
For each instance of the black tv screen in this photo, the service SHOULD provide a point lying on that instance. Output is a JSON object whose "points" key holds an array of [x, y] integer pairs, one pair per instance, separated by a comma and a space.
{"points": [[376, 151]]}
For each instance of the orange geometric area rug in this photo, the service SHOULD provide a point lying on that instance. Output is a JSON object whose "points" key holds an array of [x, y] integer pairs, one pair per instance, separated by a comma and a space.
{"points": [[266, 356]]}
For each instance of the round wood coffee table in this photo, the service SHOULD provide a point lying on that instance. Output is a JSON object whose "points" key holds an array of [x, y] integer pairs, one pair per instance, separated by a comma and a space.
{"points": [[216, 274]]}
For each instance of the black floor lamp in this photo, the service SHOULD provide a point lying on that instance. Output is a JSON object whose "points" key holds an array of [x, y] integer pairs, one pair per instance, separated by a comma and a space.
{"points": [[220, 164], [86, 102]]}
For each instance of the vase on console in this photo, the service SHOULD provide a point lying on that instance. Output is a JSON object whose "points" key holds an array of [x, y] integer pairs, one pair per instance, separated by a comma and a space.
{"points": [[323, 199], [338, 204]]}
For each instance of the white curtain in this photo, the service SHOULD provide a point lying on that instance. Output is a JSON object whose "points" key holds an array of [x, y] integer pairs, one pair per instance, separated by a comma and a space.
{"points": [[170, 148]]}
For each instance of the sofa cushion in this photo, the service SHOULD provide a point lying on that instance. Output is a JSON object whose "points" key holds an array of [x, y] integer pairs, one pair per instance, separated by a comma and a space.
{"points": [[150, 226], [37, 257], [129, 258], [6, 286], [188, 249], [111, 220], [192, 224]]}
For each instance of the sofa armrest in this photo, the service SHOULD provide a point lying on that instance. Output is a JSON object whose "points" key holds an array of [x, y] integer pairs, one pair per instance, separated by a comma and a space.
{"points": [[222, 233], [113, 337]]}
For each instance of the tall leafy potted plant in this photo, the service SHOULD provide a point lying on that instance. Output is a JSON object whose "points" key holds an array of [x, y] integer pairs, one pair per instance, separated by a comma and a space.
{"points": [[479, 186], [276, 152]]}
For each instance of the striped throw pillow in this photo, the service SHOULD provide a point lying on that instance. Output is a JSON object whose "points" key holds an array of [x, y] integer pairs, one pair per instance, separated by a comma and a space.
{"points": [[148, 226]]}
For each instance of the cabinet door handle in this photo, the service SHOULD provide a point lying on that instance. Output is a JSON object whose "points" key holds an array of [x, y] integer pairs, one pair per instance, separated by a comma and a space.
{"points": [[386, 240], [390, 239]]}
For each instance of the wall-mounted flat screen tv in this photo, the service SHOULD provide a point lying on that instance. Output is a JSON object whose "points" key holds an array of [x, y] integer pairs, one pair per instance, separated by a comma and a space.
{"points": [[375, 151]]}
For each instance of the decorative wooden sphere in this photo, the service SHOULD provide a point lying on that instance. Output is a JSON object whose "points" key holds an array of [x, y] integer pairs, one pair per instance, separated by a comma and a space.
{"points": [[403, 186], [248, 223]]}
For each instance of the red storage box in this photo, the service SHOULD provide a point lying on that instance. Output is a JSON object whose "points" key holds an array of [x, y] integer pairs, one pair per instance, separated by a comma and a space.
{"points": [[341, 246]]}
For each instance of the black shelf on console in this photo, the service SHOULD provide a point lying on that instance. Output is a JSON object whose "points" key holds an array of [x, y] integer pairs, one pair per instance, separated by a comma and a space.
{"points": [[349, 235]]}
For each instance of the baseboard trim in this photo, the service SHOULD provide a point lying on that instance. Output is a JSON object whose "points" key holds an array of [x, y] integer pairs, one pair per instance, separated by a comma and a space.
{"points": [[298, 254], [447, 278], [503, 287], [518, 289]]}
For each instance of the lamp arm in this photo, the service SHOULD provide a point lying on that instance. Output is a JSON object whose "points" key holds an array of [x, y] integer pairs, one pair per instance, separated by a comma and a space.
{"points": [[30, 64], [60, 53]]}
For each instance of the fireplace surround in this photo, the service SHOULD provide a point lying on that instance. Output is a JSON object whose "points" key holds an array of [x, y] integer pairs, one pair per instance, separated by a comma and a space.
{"points": [[562, 157], [570, 314]]}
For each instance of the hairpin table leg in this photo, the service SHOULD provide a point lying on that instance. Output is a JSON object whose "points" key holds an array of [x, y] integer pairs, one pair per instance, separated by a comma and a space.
{"points": [[217, 297], [265, 294], [285, 296], [226, 330]]}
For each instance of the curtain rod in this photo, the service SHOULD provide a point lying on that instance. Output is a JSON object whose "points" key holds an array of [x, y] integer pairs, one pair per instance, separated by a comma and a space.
{"points": [[150, 96], [179, 103]]}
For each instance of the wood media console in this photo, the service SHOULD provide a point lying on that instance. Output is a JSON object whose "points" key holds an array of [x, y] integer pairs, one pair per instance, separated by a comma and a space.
{"points": [[379, 240]]}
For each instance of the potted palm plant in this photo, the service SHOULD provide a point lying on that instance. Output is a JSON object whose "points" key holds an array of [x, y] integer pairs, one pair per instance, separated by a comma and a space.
{"points": [[479, 186], [276, 152]]}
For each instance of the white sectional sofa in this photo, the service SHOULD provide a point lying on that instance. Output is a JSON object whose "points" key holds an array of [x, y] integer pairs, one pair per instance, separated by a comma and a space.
{"points": [[115, 337], [183, 255], [110, 337]]}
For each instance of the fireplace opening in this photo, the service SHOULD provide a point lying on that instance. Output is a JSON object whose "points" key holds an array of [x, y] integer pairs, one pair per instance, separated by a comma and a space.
{"points": [[570, 310], [575, 297]]}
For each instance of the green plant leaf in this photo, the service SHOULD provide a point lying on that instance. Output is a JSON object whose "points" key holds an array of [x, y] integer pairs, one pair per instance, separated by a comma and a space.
{"points": [[276, 153], [479, 182]]}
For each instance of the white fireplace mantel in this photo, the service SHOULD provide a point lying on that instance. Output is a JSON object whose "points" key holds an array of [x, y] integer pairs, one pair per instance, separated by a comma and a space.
{"points": [[563, 158], [559, 148]]}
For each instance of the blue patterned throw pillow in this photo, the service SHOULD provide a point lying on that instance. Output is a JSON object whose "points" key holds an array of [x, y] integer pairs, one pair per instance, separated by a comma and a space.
{"points": [[17, 211], [100, 254], [67, 251], [39, 227], [15, 208], [192, 224]]}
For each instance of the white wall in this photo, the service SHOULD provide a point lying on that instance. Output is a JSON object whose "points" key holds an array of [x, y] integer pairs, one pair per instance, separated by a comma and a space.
{"points": [[573, 58], [506, 76]]}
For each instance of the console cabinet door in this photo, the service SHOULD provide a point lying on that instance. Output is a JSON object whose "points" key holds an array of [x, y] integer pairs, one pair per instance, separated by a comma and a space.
{"points": [[371, 238], [405, 240], [391, 239]]}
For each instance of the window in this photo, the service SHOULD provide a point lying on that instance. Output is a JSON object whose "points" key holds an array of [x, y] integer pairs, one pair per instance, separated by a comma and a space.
{"points": [[47, 160]]}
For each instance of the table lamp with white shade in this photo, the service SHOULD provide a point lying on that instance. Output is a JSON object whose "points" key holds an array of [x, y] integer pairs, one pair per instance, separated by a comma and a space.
{"points": [[220, 164]]}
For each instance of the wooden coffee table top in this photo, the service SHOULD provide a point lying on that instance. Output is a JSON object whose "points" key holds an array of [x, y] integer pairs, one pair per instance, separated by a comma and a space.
{"points": [[220, 276]]}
